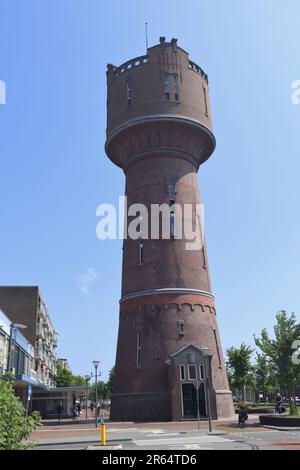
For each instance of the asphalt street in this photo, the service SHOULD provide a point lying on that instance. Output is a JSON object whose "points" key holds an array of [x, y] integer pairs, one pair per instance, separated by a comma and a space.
{"points": [[179, 439]]}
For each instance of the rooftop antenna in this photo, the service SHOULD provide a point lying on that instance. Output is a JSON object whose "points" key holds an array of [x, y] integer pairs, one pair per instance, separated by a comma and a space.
{"points": [[146, 25]]}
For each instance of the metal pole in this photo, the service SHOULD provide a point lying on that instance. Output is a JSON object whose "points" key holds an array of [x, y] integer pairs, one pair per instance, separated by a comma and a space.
{"points": [[208, 392], [198, 411], [96, 407], [10, 348], [86, 405]]}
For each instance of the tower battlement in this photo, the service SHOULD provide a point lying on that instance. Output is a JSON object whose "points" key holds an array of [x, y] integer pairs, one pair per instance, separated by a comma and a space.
{"points": [[159, 100]]}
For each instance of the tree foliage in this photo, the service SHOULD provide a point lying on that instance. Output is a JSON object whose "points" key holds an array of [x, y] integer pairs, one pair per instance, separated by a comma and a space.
{"points": [[280, 351], [65, 378], [239, 367], [102, 391], [110, 383], [15, 427], [265, 380]]}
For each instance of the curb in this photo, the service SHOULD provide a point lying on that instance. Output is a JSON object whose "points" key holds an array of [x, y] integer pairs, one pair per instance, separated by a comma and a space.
{"points": [[281, 428], [51, 443]]}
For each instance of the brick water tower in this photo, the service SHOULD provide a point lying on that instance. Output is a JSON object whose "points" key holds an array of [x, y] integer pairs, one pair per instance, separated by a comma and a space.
{"points": [[169, 362]]}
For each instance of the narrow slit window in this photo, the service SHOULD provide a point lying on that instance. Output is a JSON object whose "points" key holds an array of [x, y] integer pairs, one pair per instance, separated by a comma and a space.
{"points": [[205, 101], [138, 348], [181, 327], [167, 86], [129, 92], [217, 346], [171, 192], [141, 251], [201, 372], [172, 224], [182, 373], [175, 87], [204, 258]]}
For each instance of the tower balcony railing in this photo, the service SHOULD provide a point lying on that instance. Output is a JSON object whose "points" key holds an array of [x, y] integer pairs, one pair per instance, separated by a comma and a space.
{"points": [[196, 68], [130, 64]]}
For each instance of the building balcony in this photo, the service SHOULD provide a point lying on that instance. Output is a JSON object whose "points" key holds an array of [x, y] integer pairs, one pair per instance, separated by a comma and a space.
{"points": [[39, 354], [40, 331]]}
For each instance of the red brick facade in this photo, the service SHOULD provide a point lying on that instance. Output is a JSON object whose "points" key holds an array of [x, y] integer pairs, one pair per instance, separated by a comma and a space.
{"points": [[160, 134]]}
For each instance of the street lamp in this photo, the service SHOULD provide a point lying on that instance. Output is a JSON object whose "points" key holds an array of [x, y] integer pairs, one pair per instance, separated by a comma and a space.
{"points": [[192, 360], [205, 352], [96, 364], [87, 378], [13, 331]]}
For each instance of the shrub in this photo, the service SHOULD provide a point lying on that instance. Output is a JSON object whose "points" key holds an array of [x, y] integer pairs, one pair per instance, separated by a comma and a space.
{"points": [[15, 427]]}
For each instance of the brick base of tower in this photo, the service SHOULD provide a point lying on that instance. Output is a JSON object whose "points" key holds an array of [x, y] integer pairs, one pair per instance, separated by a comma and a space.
{"points": [[152, 389]]}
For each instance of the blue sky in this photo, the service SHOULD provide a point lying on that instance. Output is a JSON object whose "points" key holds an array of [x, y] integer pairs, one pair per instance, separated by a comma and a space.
{"points": [[54, 171]]}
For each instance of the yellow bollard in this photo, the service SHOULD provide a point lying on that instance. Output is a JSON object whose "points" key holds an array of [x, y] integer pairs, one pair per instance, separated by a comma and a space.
{"points": [[103, 434], [103, 431]]}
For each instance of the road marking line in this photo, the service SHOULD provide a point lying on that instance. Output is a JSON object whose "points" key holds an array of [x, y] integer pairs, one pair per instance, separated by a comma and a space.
{"points": [[179, 440]]}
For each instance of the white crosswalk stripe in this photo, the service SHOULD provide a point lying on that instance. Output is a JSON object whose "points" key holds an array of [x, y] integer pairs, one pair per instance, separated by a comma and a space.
{"points": [[179, 440]]}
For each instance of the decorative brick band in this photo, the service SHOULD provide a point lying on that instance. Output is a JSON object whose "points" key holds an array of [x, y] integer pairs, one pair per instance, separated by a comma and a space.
{"points": [[158, 118], [169, 298]]}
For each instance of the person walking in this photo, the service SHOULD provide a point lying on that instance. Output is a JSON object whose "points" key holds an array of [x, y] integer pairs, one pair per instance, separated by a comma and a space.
{"points": [[79, 409], [59, 410]]}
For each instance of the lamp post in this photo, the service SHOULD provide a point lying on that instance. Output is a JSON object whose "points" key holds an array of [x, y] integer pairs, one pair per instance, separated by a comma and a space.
{"points": [[192, 360], [13, 331], [205, 352], [96, 364], [87, 378]]}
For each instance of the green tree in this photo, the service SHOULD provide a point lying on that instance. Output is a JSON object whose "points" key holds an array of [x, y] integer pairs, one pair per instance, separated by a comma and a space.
{"points": [[110, 382], [239, 367], [102, 391], [280, 351], [78, 381], [65, 378], [15, 427], [264, 380]]}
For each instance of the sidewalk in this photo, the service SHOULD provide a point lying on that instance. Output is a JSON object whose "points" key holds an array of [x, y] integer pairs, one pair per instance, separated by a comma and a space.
{"points": [[81, 431]]}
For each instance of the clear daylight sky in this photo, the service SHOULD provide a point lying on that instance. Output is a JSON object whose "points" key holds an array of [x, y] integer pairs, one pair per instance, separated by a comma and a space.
{"points": [[54, 172]]}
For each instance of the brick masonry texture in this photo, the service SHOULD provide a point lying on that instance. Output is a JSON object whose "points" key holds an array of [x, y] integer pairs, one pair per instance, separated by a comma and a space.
{"points": [[160, 142]]}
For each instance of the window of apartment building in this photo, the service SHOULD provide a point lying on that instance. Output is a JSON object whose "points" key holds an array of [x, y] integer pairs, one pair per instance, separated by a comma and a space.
{"points": [[201, 372], [175, 87], [167, 86], [182, 373], [138, 348], [129, 91]]}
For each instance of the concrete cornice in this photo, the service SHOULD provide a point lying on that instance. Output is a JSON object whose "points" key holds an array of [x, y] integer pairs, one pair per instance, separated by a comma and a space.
{"points": [[171, 290]]}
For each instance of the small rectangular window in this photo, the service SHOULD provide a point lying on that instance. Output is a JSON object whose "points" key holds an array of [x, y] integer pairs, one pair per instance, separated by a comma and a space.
{"points": [[192, 372], [205, 101], [141, 251], [172, 224], [182, 373], [167, 86], [129, 92], [175, 87], [201, 372], [138, 348], [171, 192]]}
